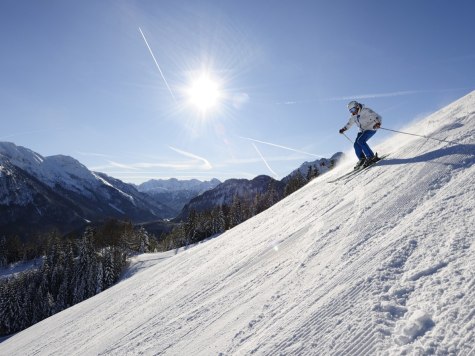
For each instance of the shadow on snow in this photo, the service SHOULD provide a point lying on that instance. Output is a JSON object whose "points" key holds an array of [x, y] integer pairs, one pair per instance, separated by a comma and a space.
{"points": [[464, 150]]}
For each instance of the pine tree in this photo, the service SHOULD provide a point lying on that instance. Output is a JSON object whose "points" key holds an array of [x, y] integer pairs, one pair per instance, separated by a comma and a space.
{"points": [[62, 297], [99, 278], [120, 258], [108, 266], [236, 216], [191, 227], [85, 271], [9, 308], [3, 251], [220, 220], [32, 296], [296, 182], [144, 240], [28, 291], [4, 307], [312, 173]]}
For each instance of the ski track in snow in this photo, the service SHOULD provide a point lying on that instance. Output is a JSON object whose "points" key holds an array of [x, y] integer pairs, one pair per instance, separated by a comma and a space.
{"points": [[382, 264]]}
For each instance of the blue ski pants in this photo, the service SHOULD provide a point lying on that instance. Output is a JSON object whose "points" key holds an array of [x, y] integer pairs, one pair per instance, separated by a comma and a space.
{"points": [[362, 149]]}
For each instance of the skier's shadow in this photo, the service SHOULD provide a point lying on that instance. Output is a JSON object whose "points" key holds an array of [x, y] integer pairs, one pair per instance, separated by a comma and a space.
{"points": [[468, 151]]}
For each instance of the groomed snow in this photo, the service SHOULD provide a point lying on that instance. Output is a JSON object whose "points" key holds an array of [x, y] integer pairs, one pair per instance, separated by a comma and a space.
{"points": [[381, 264]]}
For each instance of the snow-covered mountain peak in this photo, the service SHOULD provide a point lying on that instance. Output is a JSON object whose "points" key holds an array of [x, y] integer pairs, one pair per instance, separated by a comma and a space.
{"points": [[20, 156], [54, 170], [66, 171], [380, 264], [40, 193]]}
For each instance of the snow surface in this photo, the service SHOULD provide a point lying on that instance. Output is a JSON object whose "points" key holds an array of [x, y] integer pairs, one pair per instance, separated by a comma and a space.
{"points": [[142, 262], [380, 264], [19, 267]]}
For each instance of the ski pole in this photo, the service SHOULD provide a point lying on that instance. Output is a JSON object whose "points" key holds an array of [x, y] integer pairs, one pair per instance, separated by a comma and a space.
{"points": [[429, 138], [347, 137]]}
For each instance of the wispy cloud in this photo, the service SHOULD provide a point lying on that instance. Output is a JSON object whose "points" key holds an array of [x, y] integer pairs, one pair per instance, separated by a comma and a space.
{"points": [[290, 102], [140, 166], [197, 162], [264, 160], [280, 146], [93, 154], [205, 163], [290, 157], [392, 94]]}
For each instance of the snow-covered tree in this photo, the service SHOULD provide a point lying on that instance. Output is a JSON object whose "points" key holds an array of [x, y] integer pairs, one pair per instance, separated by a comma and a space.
{"points": [[10, 308], [108, 275], [86, 268], [144, 240], [191, 226], [236, 212], [3, 251]]}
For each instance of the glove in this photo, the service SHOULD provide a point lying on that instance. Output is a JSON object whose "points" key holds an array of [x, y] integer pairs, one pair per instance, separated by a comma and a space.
{"points": [[342, 130], [377, 126]]}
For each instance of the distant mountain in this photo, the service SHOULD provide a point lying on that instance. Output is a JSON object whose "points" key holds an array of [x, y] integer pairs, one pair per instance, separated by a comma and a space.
{"points": [[225, 192], [322, 166], [245, 189], [176, 193], [173, 185], [39, 193]]}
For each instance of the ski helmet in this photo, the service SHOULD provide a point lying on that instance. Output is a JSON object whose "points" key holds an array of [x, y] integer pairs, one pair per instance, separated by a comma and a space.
{"points": [[353, 104]]}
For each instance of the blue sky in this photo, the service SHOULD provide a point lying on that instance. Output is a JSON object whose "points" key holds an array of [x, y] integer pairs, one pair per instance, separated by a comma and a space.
{"points": [[78, 79]]}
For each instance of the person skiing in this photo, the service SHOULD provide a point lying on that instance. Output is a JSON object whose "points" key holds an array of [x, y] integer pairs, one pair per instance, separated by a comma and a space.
{"points": [[368, 122]]}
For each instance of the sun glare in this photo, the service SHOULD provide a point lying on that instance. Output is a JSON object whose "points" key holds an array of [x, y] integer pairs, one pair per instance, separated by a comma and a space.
{"points": [[204, 93]]}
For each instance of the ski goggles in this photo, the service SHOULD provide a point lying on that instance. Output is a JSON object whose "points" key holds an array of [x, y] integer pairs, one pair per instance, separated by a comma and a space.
{"points": [[354, 110]]}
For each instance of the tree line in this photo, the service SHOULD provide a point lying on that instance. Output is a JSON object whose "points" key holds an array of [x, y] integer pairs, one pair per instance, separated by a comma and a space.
{"points": [[71, 271]]}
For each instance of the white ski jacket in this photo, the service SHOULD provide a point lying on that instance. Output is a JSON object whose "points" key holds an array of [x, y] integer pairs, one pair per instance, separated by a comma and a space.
{"points": [[365, 120]]}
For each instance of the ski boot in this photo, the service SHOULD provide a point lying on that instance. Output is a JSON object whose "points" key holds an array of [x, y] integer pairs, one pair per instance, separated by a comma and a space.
{"points": [[360, 163], [369, 161]]}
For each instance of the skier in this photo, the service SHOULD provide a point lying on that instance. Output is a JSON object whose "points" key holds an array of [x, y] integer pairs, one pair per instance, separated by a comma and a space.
{"points": [[368, 121]]}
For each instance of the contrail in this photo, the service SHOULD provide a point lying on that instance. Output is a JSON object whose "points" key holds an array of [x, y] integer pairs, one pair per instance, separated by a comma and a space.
{"points": [[280, 146], [388, 95], [380, 95], [267, 164], [206, 164], [156, 63]]}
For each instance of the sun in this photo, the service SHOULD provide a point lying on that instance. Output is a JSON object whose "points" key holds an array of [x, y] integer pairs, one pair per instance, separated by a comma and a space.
{"points": [[204, 93]]}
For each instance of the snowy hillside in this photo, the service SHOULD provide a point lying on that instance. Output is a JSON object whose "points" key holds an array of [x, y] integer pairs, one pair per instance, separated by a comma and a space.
{"points": [[321, 166], [381, 264]]}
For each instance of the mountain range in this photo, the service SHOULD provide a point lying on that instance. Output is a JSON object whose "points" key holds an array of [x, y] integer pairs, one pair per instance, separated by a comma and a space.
{"points": [[176, 193], [38, 194], [245, 189]]}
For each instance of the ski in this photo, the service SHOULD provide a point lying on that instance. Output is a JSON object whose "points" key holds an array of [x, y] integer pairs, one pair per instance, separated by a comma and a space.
{"points": [[355, 172]]}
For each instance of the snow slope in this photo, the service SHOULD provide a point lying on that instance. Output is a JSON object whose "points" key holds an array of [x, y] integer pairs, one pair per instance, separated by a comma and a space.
{"points": [[380, 264]]}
